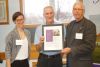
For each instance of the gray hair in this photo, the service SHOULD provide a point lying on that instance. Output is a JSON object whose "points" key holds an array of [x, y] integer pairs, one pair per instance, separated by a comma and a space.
{"points": [[79, 3], [48, 7]]}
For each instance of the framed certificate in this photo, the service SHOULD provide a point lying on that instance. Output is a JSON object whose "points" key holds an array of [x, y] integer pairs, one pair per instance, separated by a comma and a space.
{"points": [[53, 37]]}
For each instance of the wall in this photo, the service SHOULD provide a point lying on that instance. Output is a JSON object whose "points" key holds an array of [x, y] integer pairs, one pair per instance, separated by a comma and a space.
{"points": [[96, 20], [4, 29], [92, 11], [92, 8]]}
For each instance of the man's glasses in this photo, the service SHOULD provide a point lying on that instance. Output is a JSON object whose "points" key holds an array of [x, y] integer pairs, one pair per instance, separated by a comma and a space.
{"points": [[77, 9]]}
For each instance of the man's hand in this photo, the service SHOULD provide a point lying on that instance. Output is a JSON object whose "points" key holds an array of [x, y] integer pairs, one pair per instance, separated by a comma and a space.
{"points": [[39, 45], [41, 40], [66, 50]]}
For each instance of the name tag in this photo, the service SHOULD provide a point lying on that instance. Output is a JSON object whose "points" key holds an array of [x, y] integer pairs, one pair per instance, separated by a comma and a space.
{"points": [[19, 42], [79, 36]]}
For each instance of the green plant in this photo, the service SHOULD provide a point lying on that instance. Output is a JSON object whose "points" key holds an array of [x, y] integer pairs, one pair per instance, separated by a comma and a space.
{"points": [[96, 54]]}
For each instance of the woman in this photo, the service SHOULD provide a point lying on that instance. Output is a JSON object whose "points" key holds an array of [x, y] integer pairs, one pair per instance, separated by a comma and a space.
{"points": [[18, 43]]}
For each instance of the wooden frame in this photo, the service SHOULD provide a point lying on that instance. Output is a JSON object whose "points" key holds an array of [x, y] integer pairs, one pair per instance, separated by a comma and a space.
{"points": [[21, 5], [4, 18]]}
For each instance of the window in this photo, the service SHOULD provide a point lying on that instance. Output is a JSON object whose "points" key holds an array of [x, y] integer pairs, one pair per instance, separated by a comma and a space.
{"points": [[33, 9], [64, 9]]}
